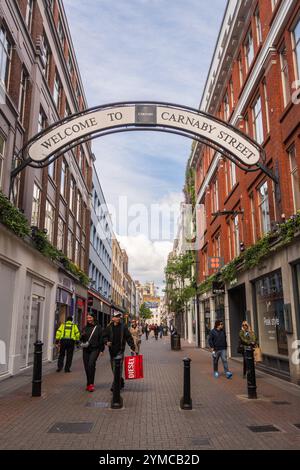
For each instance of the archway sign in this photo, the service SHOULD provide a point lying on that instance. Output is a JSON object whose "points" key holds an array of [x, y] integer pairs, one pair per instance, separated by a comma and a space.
{"points": [[95, 122]]}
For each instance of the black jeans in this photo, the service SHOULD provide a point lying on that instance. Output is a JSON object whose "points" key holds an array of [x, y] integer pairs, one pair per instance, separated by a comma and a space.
{"points": [[66, 346], [90, 357]]}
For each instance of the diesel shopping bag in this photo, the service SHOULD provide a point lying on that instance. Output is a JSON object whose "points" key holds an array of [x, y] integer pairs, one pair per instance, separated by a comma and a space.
{"points": [[134, 367]]}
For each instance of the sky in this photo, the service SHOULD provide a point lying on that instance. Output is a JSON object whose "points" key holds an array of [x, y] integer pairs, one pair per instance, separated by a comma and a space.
{"points": [[144, 50]]}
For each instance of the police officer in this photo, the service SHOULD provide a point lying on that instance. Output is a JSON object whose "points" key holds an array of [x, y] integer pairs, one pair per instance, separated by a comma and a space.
{"points": [[66, 336]]}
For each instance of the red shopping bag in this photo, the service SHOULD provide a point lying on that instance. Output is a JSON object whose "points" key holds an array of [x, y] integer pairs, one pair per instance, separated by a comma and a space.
{"points": [[134, 367]]}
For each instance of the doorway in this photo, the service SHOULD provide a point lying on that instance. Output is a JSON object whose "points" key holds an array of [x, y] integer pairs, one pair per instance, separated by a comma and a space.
{"points": [[237, 314]]}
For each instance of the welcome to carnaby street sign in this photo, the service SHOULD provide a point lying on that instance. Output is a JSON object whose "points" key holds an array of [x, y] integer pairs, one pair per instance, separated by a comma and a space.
{"points": [[119, 117]]}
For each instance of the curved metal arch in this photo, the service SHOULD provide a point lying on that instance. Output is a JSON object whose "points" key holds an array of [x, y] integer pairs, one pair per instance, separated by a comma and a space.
{"points": [[139, 126]]}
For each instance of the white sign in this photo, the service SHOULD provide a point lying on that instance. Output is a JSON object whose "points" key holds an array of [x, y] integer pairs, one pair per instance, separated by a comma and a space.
{"points": [[93, 122]]}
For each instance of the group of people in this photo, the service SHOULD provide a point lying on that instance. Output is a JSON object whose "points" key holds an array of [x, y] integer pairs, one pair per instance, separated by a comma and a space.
{"points": [[218, 345], [157, 330], [93, 340]]}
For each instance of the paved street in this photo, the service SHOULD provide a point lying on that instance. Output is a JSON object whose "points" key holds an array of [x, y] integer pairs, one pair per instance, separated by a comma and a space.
{"points": [[151, 418]]}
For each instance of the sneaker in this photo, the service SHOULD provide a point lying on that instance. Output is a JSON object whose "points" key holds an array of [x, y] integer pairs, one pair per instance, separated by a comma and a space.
{"points": [[228, 375], [216, 374], [90, 388]]}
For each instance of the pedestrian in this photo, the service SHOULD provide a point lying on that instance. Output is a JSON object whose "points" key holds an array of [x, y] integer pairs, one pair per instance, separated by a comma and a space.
{"points": [[146, 328], [247, 337], [136, 333], [156, 331], [66, 336], [116, 336], [92, 345], [218, 344], [161, 331]]}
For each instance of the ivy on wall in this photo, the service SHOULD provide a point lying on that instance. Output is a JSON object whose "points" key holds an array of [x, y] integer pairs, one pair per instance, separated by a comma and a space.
{"points": [[13, 219], [281, 236]]}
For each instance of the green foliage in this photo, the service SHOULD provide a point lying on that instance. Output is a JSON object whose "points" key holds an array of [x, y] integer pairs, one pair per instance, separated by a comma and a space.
{"points": [[280, 237], [145, 312], [12, 218]]}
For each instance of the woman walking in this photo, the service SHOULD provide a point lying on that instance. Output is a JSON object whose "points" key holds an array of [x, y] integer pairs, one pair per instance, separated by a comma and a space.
{"points": [[92, 345], [136, 333], [247, 337]]}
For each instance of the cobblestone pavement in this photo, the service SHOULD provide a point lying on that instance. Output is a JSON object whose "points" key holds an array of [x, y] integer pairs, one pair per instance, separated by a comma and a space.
{"points": [[151, 418]]}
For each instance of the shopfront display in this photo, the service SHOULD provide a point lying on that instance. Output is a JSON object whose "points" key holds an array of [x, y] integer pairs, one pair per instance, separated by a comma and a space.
{"points": [[270, 315], [207, 321], [220, 307]]}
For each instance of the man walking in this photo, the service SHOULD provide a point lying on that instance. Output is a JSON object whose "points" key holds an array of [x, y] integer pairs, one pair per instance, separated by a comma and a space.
{"points": [[218, 344], [66, 336], [115, 337]]}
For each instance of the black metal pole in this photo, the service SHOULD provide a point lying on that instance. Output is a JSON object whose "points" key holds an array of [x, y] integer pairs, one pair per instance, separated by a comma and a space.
{"points": [[251, 378], [186, 401], [172, 341], [117, 400], [37, 369]]}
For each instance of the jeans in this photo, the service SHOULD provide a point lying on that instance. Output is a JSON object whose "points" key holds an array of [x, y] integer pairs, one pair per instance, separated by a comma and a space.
{"points": [[223, 355], [89, 360]]}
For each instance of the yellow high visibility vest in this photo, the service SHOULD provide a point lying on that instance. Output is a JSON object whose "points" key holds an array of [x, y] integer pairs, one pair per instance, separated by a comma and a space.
{"points": [[68, 330]]}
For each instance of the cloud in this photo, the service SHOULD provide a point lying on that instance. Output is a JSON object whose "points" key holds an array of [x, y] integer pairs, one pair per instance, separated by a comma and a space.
{"points": [[143, 50]]}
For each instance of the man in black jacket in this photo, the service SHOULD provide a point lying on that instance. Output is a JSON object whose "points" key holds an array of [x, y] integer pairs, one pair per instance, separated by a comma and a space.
{"points": [[218, 344], [115, 337]]}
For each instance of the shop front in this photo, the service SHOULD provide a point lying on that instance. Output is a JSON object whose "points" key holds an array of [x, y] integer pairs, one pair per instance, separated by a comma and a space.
{"points": [[207, 321], [80, 306], [99, 307], [270, 322]]}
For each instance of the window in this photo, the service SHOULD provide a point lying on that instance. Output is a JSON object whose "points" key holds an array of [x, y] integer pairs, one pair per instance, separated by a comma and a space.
{"points": [[36, 206], [258, 121], [70, 64], [46, 56], [61, 33], [22, 95], [296, 48], [82, 263], [80, 157], [236, 235], [42, 122], [70, 245], [285, 76], [57, 91], [72, 194], [217, 245], [258, 27], [241, 74], [249, 49], [253, 218], [215, 198], [231, 93], [49, 221], [226, 107], [205, 263], [83, 217], [2, 149], [267, 106], [63, 179], [29, 14], [263, 204], [78, 208], [5, 57], [294, 178], [67, 110], [77, 252], [60, 234], [232, 175]]}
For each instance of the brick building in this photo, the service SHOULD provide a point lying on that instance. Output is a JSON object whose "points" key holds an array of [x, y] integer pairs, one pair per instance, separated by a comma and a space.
{"points": [[40, 84], [252, 84]]}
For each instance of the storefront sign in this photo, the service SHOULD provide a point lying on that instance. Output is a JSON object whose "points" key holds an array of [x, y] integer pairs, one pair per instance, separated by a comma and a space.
{"points": [[153, 115], [218, 288]]}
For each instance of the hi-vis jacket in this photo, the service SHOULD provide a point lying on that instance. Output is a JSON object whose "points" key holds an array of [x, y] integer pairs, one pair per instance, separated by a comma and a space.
{"points": [[68, 330]]}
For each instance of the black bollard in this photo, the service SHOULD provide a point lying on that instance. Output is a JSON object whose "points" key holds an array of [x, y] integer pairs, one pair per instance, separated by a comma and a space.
{"points": [[186, 401], [37, 369], [172, 341], [117, 400], [251, 378]]}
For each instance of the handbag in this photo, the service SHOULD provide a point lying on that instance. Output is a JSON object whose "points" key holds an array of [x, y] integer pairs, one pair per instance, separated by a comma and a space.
{"points": [[258, 357], [86, 344], [134, 367]]}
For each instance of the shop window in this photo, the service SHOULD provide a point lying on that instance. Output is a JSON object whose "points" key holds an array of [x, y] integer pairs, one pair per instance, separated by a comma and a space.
{"points": [[270, 315]]}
